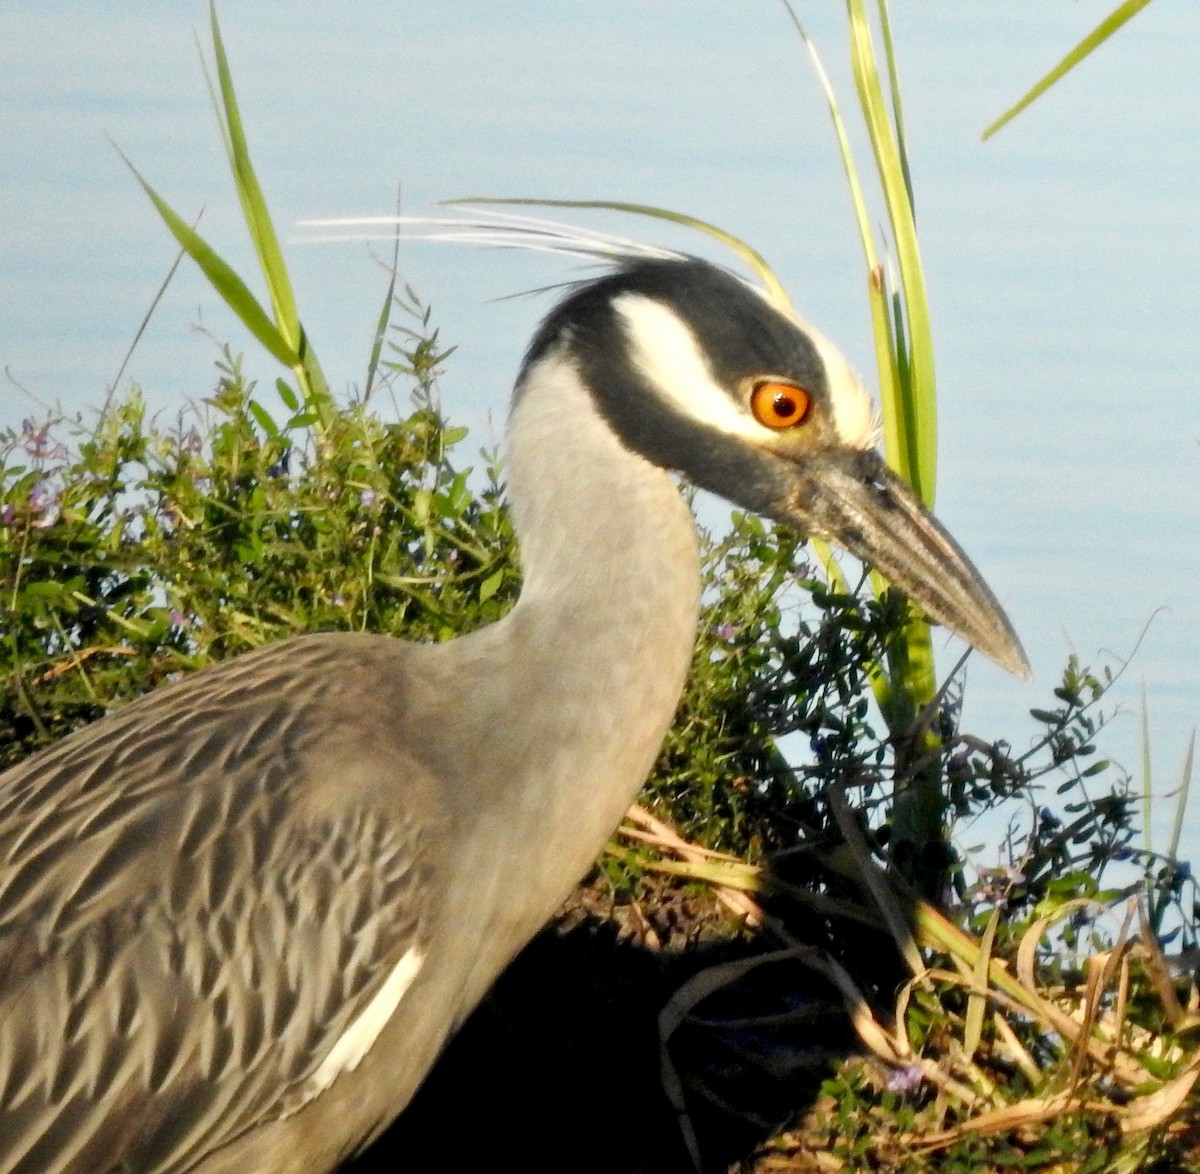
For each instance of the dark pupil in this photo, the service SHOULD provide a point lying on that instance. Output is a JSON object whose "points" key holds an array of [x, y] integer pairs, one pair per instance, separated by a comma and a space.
{"points": [[784, 406]]}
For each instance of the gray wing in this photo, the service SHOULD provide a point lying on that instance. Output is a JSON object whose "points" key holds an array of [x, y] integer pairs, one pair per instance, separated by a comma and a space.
{"points": [[198, 896]]}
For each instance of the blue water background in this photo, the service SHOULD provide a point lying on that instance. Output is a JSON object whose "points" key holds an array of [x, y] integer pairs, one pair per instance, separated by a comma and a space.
{"points": [[1063, 258]]}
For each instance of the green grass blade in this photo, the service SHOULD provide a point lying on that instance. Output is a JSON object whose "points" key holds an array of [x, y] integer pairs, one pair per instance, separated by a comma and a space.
{"points": [[254, 206], [385, 312], [894, 368], [141, 329], [891, 394], [977, 1003], [224, 280], [262, 230], [1105, 29], [904, 341], [839, 127], [750, 256], [1185, 785], [909, 396], [881, 323], [889, 52], [918, 405]]}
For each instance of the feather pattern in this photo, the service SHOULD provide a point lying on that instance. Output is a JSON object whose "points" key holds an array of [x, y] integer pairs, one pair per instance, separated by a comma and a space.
{"points": [[187, 940]]}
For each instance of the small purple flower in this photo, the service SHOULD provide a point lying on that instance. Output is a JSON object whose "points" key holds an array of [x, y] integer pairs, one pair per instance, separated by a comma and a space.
{"points": [[178, 619], [190, 441], [8, 514], [367, 498], [39, 443], [43, 503], [905, 1079], [41, 496], [727, 632]]}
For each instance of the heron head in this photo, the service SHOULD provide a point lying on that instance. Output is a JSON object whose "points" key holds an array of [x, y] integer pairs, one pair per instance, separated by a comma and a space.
{"points": [[700, 373]]}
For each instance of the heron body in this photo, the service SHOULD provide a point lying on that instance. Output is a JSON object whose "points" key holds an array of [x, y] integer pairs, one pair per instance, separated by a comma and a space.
{"points": [[240, 916]]}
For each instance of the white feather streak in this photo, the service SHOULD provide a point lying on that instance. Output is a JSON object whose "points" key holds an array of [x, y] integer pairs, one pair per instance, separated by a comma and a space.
{"points": [[357, 1040], [505, 230]]}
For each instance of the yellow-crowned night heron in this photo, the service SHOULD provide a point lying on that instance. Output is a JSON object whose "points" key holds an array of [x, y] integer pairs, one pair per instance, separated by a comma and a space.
{"points": [[240, 917]]}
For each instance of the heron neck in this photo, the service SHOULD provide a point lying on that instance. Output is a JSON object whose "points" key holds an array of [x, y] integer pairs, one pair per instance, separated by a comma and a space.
{"points": [[601, 638], [572, 692], [592, 516]]}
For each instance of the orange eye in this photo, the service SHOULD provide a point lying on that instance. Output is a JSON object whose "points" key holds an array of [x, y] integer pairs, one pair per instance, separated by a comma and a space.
{"points": [[779, 405]]}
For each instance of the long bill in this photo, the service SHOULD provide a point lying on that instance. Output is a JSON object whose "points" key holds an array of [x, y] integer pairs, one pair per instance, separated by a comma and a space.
{"points": [[852, 498]]}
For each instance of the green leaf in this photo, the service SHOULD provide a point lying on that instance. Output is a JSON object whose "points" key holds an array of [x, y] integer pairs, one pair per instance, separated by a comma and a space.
{"points": [[490, 586], [45, 590], [224, 280], [977, 1003], [264, 418], [254, 205], [262, 234], [1105, 29], [1185, 783], [916, 410], [287, 394], [421, 506], [385, 311]]}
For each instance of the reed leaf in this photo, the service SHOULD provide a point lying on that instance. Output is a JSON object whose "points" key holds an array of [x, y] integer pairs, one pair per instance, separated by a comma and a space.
{"points": [[1120, 15]]}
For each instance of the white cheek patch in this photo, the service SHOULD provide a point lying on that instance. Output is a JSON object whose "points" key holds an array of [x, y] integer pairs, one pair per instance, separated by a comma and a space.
{"points": [[666, 352], [356, 1041]]}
